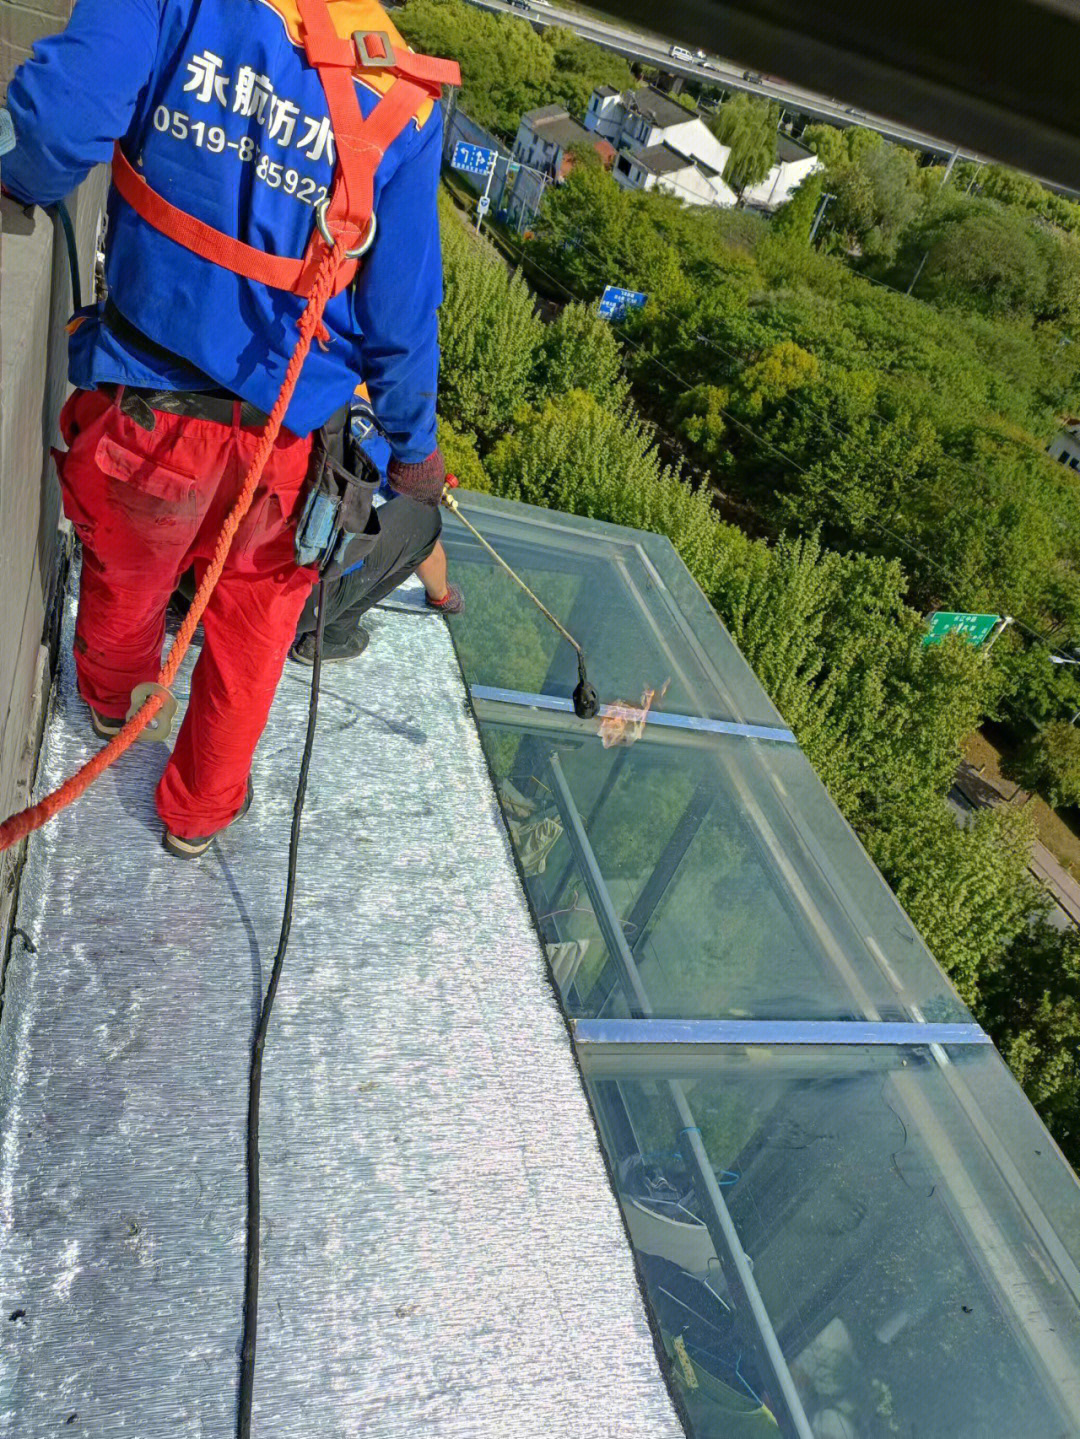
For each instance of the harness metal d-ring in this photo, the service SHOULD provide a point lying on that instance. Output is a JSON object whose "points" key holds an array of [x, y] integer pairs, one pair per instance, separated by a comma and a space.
{"points": [[324, 231]]}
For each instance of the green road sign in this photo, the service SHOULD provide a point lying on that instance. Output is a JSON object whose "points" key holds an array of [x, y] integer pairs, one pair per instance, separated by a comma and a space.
{"points": [[974, 628]]}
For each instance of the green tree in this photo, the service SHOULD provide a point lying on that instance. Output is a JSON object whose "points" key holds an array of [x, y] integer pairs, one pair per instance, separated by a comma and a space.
{"points": [[577, 68], [989, 258], [830, 144], [489, 334], [1031, 1009], [1049, 763], [781, 370], [579, 351], [591, 228], [461, 458], [877, 198], [506, 68], [795, 218], [575, 454], [1035, 691], [880, 715], [748, 126], [966, 889], [699, 415]]}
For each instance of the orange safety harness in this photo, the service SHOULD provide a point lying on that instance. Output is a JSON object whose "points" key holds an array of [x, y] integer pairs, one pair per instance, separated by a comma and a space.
{"points": [[344, 232]]}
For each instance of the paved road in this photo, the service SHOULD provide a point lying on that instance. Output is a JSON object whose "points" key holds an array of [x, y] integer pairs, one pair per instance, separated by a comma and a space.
{"points": [[636, 46], [971, 792]]}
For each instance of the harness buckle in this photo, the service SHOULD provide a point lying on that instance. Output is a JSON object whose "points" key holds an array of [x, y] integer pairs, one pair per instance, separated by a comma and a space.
{"points": [[374, 49], [324, 231]]}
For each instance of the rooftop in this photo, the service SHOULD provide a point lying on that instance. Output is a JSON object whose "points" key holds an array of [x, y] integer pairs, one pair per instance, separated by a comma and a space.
{"points": [[657, 106], [840, 1203], [555, 124], [546, 112], [662, 160], [424, 1132], [789, 151]]}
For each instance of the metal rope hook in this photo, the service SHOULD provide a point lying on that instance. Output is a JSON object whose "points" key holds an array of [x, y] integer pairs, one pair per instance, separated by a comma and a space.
{"points": [[586, 702]]}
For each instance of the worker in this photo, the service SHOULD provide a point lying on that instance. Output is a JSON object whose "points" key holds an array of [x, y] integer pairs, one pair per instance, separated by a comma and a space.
{"points": [[227, 115], [408, 543]]}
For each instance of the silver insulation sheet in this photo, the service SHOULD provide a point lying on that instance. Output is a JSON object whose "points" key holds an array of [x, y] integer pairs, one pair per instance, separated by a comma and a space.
{"points": [[441, 1252]]}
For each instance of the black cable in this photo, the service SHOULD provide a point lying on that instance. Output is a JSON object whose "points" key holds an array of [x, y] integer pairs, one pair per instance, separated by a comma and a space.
{"points": [[60, 210], [251, 1278]]}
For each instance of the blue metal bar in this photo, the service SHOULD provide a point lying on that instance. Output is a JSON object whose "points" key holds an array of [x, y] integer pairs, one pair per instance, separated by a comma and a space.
{"points": [[772, 1031], [654, 717]]}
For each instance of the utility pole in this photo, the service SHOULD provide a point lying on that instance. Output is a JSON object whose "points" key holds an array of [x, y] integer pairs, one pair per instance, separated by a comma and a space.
{"points": [[484, 203], [917, 273], [978, 171], [926, 255], [822, 205], [999, 629]]}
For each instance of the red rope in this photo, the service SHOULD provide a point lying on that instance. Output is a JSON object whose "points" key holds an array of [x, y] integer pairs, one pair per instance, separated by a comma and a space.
{"points": [[310, 325]]}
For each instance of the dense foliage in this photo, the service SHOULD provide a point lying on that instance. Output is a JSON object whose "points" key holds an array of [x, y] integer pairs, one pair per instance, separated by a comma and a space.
{"points": [[1050, 763], [506, 67], [832, 406]]}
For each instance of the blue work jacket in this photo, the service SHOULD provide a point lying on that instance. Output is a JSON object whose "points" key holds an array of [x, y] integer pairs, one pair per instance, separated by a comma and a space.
{"points": [[216, 106]]}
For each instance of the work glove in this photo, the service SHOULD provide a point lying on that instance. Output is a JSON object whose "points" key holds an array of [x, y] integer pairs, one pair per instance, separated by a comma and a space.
{"points": [[423, 482]]}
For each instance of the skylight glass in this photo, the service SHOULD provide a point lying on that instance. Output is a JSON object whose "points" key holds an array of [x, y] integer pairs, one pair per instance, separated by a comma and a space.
{"points": [[848, 1220]]}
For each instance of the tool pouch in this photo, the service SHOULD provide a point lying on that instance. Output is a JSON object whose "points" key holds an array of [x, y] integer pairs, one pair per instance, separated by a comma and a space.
{"points": [[338, 525]]}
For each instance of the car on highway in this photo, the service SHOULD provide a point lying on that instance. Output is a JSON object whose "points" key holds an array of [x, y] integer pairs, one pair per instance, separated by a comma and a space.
{"points": [[678, 52], [752, 77]]}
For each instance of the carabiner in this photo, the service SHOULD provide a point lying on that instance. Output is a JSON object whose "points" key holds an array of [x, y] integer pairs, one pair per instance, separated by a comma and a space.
{"points": [[324, 231]]}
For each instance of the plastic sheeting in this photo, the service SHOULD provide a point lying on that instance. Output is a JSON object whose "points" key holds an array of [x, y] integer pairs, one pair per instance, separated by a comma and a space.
{"points": [[442, 1255]]}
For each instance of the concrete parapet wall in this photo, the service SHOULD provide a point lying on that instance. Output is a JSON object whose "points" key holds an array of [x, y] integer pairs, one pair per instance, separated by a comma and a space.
{"points": [[35, 303]]}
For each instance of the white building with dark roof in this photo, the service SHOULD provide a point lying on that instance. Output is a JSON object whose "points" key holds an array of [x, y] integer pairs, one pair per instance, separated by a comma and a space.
{"points": [[662, 167], [661, 145], [794, 161], [546, 136]]}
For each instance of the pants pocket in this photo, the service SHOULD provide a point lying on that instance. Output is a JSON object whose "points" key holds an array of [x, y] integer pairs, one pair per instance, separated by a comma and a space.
{"points": [[158, 505]]}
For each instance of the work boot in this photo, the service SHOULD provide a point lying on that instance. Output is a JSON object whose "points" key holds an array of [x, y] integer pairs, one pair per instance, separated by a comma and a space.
{"points": [[105, 726], [452, 603], [334, 648], [193, 848]]}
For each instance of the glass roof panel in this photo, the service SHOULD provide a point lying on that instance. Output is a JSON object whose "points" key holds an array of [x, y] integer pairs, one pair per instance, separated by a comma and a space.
{"points": [[838, 1239], [726, 869], [625, 597], [687, 854], [833, 1238]]}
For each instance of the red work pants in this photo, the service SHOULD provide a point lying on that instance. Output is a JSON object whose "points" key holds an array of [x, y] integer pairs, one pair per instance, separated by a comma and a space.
{"points": [[146, 505]]}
